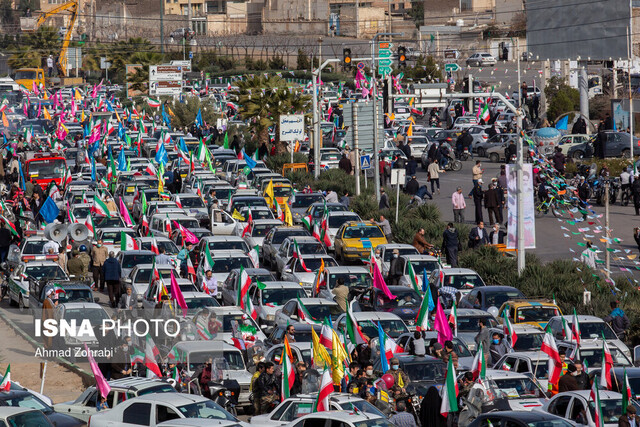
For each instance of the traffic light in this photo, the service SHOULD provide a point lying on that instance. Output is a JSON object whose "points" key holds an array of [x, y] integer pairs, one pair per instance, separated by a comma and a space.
{"points": [[402, 57], [346, 58]]}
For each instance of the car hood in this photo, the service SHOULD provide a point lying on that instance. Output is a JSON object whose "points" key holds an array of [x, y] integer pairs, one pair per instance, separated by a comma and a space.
{"points": [[529, 404], [64, 420]]}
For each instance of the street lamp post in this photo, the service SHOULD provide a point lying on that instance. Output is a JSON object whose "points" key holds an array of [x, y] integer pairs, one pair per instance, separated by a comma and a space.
{"points": [[315, 116], [376, 160]]}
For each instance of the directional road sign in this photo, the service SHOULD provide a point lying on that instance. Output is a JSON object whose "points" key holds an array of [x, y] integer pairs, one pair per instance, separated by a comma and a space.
{"points": [[384, 58], [386, 62], [365, 162], [451, 67]]}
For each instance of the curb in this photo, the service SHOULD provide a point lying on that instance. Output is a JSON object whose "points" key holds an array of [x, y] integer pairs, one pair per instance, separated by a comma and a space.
{"points": [[87, 377]]}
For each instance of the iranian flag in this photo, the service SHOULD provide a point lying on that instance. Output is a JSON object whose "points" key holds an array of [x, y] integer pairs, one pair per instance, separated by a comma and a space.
{"points": [[154, 246], [575, 327], [128, 243], [67, 177], [279, 213], [307, 221], [12, 226], [137, 356], [321, 278], [304, 315], [150, 354], [484, 114], [207, 260], [316, 232], [254, 254], [355, 336], [288, 376], [449, 392], [422, 319], [626, 392], [90, 225], [453, 318], [326, 336], [479, 366], [555, 363], [191, 271], [298, 255], [391, 347], [153, 103], [144, 225], [508, 329], [243, 287], [595, 398], [250, 309], [99, 207], [326, 388], [413, 278], [247, 228], [566, 329], [607, 366], [324, 232], [6, 380]]}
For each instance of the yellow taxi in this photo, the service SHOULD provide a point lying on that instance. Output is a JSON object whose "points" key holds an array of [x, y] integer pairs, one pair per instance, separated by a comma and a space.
{"points": [[355, 239], [532, 312]]}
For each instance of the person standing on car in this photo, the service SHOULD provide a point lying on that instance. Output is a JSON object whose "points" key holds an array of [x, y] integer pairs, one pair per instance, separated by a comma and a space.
{"points": [[618, 320]]}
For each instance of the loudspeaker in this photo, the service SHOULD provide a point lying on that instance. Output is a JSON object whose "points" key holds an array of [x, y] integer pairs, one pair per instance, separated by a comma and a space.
{"points": [[56, 232], [78, 232]]}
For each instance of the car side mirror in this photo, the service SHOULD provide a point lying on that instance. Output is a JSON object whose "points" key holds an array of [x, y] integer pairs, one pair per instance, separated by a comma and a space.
{"points": [[287, 270]]}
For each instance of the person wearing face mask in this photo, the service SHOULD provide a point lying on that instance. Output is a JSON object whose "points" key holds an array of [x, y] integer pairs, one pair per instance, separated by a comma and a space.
{"points": [[396, 268], [99, 254], [498, 348], [568, 382], [582, 378], [368, 372], [401, 379], [121, 362]]}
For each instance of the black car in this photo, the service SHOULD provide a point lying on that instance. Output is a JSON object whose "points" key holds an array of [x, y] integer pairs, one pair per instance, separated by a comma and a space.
{"points": [[489, 296], [406, 304], [423, 371], [25, 399], [302, 334], [519, 419]]}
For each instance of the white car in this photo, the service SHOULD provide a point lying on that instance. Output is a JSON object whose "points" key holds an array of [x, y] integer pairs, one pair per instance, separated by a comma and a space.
{"points": [[294, 270], [369, 321], [259, 229], [536, 362], [578, 407], [480, 59], [155, 408], [342, 419], [18, 281], [268, 301]]}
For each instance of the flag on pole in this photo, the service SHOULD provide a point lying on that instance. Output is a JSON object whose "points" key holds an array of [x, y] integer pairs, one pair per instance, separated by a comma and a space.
{"points": [[453, 318], [595, 398], [384, 361], [422, 319], [128, 243], [99, 207], [288, 376], [176, 294], [508, 329], [575, 327], [607, 366], [449, 391], [413, 278], [254, 254], [101, 383], [5, 385], [326, 388], [150, 354], [555, 363], [566, 329], [479, 365], [442, 325], [627, 396]]}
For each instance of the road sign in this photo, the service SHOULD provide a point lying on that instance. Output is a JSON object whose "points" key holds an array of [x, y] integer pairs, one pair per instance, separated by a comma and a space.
{"points": [[360, 66], [185, 65], [385, 45], [384, 53], [386, 62], [385, 58], [451, 67], [165, 87], [292, 127], [165, 72], [190, 55], [365, 162]]}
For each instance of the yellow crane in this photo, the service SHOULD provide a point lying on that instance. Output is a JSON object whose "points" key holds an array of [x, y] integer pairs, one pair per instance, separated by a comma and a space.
{"points": [[31, 24]]}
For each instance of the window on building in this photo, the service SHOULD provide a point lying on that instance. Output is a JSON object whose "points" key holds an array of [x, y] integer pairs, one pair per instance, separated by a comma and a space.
{"points": [[216, 6]]}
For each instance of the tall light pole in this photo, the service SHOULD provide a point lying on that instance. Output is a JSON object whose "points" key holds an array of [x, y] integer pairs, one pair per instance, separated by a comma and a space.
{"points": [[162, 26], [315, 116], [376, 160]]}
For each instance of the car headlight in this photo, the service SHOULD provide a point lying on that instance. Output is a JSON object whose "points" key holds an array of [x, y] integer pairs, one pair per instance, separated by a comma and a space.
{"points": [[271, 317], [227, 393]]}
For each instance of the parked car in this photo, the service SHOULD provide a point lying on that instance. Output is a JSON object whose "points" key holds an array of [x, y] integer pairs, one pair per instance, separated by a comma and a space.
{"points": [[519, 419], [26, 400], [578, 407], [481, 59]]}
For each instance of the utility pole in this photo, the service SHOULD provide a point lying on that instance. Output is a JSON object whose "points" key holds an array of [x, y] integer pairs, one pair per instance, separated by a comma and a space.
{"points": [[354, 110], [470, 91], [607, 254], [520, 196], [162, 26]]}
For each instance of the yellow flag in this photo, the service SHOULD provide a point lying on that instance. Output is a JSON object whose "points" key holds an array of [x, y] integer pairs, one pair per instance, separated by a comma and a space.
{"points": [[82, 116], [46, 95], [236, 215], [410, 131], [411, 101], [46, 113], [338, 356], [5, 122], [268, 193], [400, 381], [321, 357], [77, 95], [288, 218]]}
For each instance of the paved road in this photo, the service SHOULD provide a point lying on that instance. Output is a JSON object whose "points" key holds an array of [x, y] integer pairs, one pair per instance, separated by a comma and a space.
{"points": [[551, 240]]}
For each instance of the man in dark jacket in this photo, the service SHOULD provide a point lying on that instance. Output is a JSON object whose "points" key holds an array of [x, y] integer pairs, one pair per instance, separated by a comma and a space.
{"points": [[582, 378], [510, 151], [396, 268], [478, 236], [451, 244], [112, 273], [491, 202], [568, 382], [478, 195], [618, 320], [559, 160], [345, 164], [5, 242], [266, 389], [496, 237], [467, 140], [412, 186], [600, 144], [625, 420]]}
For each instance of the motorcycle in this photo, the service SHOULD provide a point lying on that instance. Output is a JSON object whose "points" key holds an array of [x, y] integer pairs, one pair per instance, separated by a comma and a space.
{"points": [[434, 121], [452, 164], [465, 154]]}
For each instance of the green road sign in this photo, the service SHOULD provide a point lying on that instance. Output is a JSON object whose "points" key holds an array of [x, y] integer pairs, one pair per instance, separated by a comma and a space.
{"points": [[383, 71], [451, 67], [385, 62], [384, 53]]}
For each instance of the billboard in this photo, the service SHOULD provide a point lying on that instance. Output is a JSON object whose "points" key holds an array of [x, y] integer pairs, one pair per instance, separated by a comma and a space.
{"points": [[529, 209], [566, 29], [292, 127]]}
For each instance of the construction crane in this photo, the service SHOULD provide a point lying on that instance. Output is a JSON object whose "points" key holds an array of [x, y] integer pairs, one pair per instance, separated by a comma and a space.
{"points": [[31, 24]]}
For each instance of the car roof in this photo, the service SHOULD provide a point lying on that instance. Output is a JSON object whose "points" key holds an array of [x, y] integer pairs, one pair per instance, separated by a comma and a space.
{"points": [[581, 318], [43, 263], [302, 239], [468, 312], [337, 269], [85, 305], [281, 285], [419, 257], [374, 315], [209, 345], [606, 394], [524, 416], [7, 411], [341, 415], [176, 399], [453, 271], [137, 252]]}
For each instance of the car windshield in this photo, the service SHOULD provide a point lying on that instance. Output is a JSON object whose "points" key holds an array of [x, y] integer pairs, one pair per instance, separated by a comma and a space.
{"points": [[228, 245], [45, 271], [81, 211], [280, 235], [420, 266], [258, 214], [144, 275], [225, 265], [496, 299], [186, 223], [535, 313], [192, 202], [206, 409], [131, 260], [318, 211], [393, 328], [95, 315], [335, 221], [25, 75], [313, 264], [198, 303], [470, 323], [261, 230], [591, 330], [462, 281], [330, 157], [232, 359], [33, 247], [540, 368], [515, 388], [305, 200], [611, 409], [282, 191], [309, 248], [278, 297], [27, 400], [528, 342], [593, 357], [426, 371], [322, 311], [403, 298], [363, 232], [362, 406], [362, 280], [75, 295], [169, 247], [31, 419], [46, 168], [388, 254], [113, 237]]}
